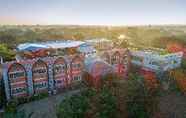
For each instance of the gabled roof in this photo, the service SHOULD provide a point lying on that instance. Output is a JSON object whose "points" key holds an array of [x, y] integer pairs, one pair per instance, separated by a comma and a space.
{"points": [[91, 62]]}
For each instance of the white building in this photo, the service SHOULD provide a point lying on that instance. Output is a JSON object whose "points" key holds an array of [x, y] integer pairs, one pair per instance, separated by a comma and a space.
{"points": [[100, 43], [50, 48], [156, 61], [88, 50]]}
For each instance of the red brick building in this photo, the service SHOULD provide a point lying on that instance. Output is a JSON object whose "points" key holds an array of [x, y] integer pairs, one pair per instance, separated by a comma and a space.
{"points": [[119, 59], [40, 75]]}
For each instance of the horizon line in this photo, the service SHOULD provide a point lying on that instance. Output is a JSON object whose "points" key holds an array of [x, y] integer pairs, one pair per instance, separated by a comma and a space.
{"points": [[106, 25]]}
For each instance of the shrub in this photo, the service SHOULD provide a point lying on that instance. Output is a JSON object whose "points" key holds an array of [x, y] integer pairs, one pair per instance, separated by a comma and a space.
{"points": [[11, 111], [11, 107], [20, 114]]}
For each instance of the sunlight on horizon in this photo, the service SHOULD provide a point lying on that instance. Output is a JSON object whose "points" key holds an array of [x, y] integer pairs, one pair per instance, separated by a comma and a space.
{"points": [[82, 12]]}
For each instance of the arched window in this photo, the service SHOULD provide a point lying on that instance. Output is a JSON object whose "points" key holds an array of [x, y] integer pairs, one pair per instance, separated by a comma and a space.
{"points": [[115, 58], [106, 57], [76, 68], [17, 80], [60, 73], [125, 59], [76, 63], [40, 76]]}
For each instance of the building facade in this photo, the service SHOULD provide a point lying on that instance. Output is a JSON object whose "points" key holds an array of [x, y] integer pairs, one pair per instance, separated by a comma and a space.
{"points": [[100, 43], [119, 59], [41, 75], [96, 69], [88, 50], [155, 61]]}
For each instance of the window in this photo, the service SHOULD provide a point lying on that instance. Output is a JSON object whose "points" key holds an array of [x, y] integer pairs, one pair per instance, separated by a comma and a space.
{"points": [[16, 74], [125, 59], [39, 70], [57, 81], [135, 58], [174, 62], [115, 59], [18, 90], [40, 85], [76, 78], [106, 59], [155, 63], [59, 68], [76, 66]]}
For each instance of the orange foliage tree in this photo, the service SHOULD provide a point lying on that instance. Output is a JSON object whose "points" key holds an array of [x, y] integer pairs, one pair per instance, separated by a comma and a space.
{"points": [[180, 77]]}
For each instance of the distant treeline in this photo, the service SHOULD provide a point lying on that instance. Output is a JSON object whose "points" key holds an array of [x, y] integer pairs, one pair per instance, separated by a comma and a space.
{"points": [[148, 36]]}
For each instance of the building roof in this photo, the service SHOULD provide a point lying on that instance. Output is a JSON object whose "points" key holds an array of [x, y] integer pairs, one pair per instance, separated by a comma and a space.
{"points": [[49, 44], [30, 46], [153, 54], [122, 51], [97, 40], [85, 48], [91, 62]]}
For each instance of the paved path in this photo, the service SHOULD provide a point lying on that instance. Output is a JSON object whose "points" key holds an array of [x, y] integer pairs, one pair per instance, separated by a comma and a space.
{"points": [[45, 108]]}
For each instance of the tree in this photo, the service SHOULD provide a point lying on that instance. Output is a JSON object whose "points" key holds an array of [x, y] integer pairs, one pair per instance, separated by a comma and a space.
{"points": [[179, 76], [8, 39], [141, 103], [78, 36], [6, 53], [183, 64], [2, 93], [73, 107]]}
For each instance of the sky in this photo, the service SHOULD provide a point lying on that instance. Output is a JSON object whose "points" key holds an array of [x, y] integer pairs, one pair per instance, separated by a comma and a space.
{"points": [[92, 12]]}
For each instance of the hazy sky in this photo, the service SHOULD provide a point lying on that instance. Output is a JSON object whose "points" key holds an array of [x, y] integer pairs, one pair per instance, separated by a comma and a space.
{"points": [[94, 12]]}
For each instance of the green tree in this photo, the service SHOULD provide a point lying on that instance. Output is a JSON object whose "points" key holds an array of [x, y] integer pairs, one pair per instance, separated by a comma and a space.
{"points": [[141, 103], [183, 64], [79, 36], [73, 107], [6, 53], [135, 98], [8, 39], [107, 104]]}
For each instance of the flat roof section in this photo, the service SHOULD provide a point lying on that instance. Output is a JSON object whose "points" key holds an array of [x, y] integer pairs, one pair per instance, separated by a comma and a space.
{"points": [[49, 44]]}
